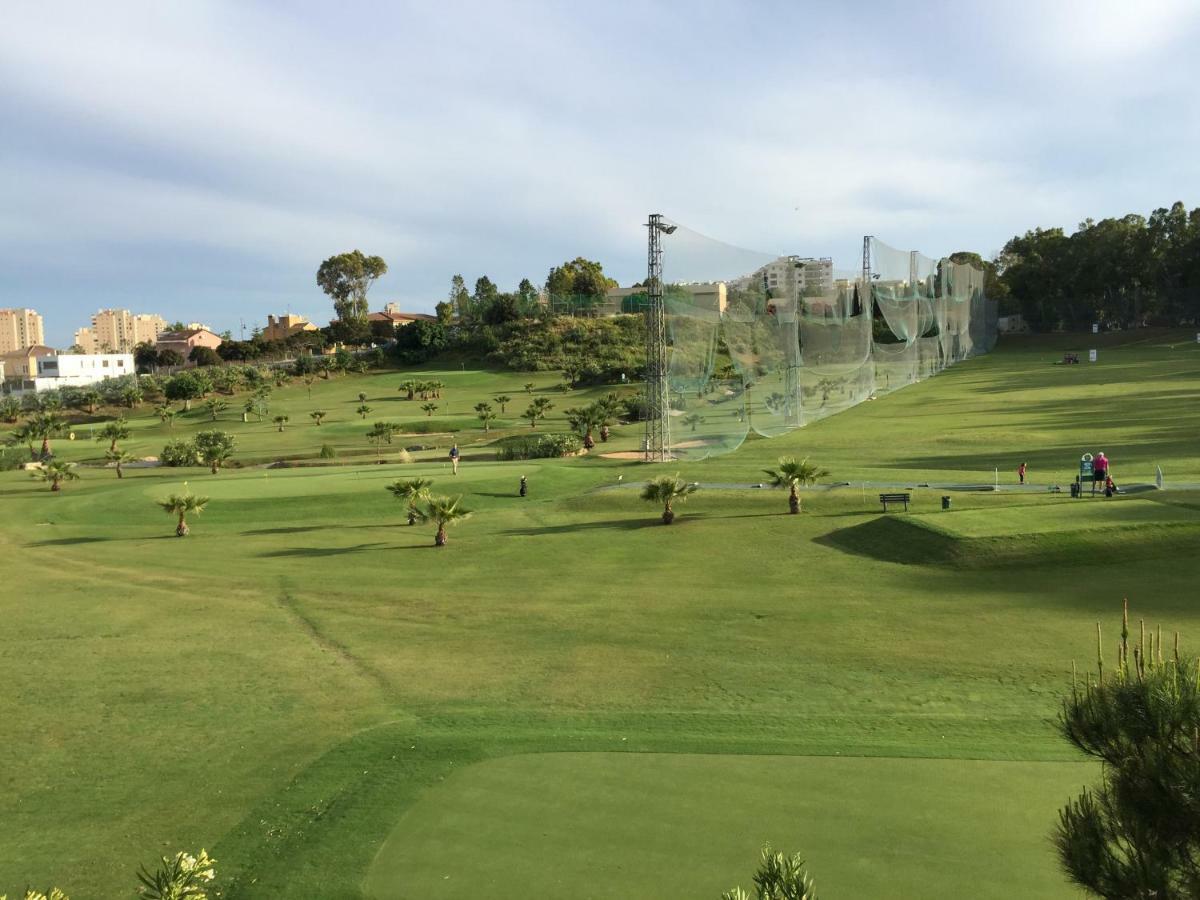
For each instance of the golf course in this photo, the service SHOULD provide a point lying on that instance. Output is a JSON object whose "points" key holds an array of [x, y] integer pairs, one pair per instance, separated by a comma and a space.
{"points": [[570, 699]]}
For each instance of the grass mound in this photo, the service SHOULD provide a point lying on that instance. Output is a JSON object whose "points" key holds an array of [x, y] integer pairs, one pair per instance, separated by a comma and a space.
{"points": [[1070, 532]]}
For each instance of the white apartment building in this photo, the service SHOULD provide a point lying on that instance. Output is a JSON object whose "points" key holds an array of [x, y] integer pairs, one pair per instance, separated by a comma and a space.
{"points": [[792, 277], [119, 331], [20, 328]]}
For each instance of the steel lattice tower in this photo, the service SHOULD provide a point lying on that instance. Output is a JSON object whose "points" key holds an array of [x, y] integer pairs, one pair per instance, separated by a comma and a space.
{"points": [[657, 445]]}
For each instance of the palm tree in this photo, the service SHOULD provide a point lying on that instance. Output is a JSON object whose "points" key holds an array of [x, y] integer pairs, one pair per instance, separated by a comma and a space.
{"points": [[90, 399], [435, 388], [169, 418], [119, 458], [385, 430], [586, 420], [503, 401], [362, 410], [430, 408], [56, 471], [694, 419], [280, 421], [116, 430], [308, 383], [181, 505], [214, 406], [611, 404], [377, 439], [247, 408], [412, 492], [317, 415], [214, 448], [410, 387], [24, 434], [131, 395], [10, 410], [486, 415], [45, 426], [791, 474], [667, 490], [362, 396], [529, 387], [443, 511], [537, 410], [162, 411]]}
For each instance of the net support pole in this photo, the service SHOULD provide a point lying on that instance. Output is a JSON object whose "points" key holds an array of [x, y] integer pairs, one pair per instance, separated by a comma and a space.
{"points": [[657, 444]]}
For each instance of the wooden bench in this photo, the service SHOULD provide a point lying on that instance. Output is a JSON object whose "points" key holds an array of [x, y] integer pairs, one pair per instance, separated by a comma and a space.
{"points": [[885, 499]]}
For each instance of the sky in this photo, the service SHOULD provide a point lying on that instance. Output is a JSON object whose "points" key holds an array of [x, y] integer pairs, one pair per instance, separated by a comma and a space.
{"points": [[200, 159]]}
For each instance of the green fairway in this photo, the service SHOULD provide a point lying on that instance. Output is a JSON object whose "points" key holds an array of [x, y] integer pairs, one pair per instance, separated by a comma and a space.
{"points": [[306, 680], [676, 825]]}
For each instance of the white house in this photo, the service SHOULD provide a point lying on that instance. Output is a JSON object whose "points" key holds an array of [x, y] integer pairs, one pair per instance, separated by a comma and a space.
{"points": [[76, 369]]}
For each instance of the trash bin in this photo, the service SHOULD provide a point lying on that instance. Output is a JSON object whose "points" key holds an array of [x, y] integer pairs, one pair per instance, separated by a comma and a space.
{"points": [[945, 503], [1075, 490]]}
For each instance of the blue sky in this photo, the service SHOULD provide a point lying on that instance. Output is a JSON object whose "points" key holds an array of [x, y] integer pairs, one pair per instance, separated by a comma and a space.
{"points": [[199, 159]]}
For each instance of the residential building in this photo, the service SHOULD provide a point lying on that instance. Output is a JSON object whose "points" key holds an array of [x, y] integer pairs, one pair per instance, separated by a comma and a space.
{"points": [[119, 331], [52, 371], [75, 369], [283, 327], [21, 365], [706, 295], [392, 315], [20, 328], [184, 342], [792, 277]]}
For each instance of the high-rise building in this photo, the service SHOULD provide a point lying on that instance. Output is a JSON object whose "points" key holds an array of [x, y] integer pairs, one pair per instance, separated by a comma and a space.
{"points": [[793, 277], [20, 328], [119, 331]]}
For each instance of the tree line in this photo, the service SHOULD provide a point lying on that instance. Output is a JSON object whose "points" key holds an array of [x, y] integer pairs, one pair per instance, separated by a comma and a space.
{"points": [[1121, 272]]}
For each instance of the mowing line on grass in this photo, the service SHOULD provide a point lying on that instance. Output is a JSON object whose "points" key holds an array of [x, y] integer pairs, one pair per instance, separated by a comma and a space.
{"points": [[290, 605]]}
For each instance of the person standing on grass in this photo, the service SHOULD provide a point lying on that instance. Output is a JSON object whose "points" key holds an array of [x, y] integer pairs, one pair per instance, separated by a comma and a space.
{"points": [[1099, 470], [1021, 472], [454, 458]]}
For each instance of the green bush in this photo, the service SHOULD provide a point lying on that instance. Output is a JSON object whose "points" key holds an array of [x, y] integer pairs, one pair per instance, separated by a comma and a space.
{"points": [[178, 453], [328, 451], [537, 446], [12, 458]]}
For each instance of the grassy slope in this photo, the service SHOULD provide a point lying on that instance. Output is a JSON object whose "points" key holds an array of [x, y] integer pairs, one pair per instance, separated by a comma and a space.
{"points": [[168, 693]]}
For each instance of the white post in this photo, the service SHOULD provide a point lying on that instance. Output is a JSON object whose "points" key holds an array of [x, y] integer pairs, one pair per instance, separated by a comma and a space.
{"points": [[997, 476]]}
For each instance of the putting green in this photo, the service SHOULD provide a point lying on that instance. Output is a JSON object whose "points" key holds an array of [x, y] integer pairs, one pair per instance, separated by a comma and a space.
{"points": [[1069, 515], [620, 825]]}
